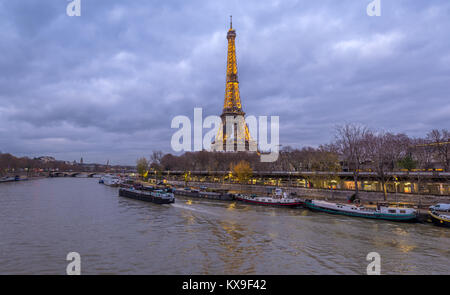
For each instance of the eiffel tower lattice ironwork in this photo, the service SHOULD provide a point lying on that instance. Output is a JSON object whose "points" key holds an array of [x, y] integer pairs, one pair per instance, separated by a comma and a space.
{"points": [[233, 131]]}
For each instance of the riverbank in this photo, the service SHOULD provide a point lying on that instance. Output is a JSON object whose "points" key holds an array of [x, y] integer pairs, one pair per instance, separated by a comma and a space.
{"points": [[24, 177], [20, 178]]}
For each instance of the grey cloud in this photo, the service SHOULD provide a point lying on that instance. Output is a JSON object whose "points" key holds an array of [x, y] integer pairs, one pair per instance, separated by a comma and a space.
{"points": [[107, 84]]}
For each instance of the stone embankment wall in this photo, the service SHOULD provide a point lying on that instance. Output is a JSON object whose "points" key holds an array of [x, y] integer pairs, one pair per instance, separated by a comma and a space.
{"points": [[330, 195]]}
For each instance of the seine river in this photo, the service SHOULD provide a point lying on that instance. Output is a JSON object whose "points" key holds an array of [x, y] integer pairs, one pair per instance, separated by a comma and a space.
{"points": [[41, 221]]}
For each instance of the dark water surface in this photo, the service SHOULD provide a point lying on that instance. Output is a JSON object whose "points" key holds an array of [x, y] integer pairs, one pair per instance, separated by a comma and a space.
{"points": [[41, 221]]}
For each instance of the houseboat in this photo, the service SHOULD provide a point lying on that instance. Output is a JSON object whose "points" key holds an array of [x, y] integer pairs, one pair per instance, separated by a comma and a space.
{"points": [[7, 179], [278, 199], [194, 193], [382, 211], [439, 218], [110, 180], [10, 179], [440, 214]]}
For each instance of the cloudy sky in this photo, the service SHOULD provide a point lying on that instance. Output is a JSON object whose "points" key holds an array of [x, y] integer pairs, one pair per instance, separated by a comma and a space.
{"points": [[106, 85]]}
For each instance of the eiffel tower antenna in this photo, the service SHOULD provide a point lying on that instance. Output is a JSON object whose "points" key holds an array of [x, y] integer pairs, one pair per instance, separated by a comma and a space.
{"points": [[231, 22]]}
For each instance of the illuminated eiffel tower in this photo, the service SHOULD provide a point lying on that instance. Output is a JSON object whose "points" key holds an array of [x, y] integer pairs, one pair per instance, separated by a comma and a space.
{"points": [[233, 133]]}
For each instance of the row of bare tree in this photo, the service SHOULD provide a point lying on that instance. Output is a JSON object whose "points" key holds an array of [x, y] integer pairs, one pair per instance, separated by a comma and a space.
{"points": [[355, 148], [361, 148], [10, 163]]}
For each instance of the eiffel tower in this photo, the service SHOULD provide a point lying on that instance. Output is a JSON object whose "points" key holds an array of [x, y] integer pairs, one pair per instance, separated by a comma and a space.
{"points": [[233, 134]]}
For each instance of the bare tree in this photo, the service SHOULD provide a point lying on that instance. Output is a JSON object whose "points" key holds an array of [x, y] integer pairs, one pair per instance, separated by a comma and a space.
{"points": [[385, 150], [156, 164], [440, 140], [351, 143], [156, 157], [285, 158], [422, 153], [169, 162]]}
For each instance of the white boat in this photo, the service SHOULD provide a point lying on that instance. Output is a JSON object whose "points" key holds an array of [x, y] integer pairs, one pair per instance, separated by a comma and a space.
{"points": [[439, 218], [110, 180], [278, 199], [440, 214], [382, 211], [7, 179]]}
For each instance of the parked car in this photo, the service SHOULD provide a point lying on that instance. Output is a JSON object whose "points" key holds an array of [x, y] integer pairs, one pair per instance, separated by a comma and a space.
{"points": [[440, 207]]}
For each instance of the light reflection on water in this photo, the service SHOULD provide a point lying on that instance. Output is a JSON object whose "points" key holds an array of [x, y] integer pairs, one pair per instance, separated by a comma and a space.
{"points": [[41, 221]]}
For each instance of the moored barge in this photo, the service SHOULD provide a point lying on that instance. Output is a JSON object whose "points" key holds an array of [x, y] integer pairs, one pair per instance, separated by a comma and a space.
{"points": [[155, 196], [270, 201], [187, 192], [110, 180], [10, 179], [439, 218], [278, 198], [380, 212]]}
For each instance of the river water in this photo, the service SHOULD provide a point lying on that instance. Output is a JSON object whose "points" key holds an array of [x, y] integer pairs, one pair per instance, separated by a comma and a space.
{"points": [[41, 221]]}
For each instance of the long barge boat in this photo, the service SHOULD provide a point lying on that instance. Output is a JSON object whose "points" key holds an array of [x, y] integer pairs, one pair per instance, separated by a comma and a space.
{"points": [[277, 198], [271, 201], [11, 179], [204, 195], [155, 196], [381, 212]]}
